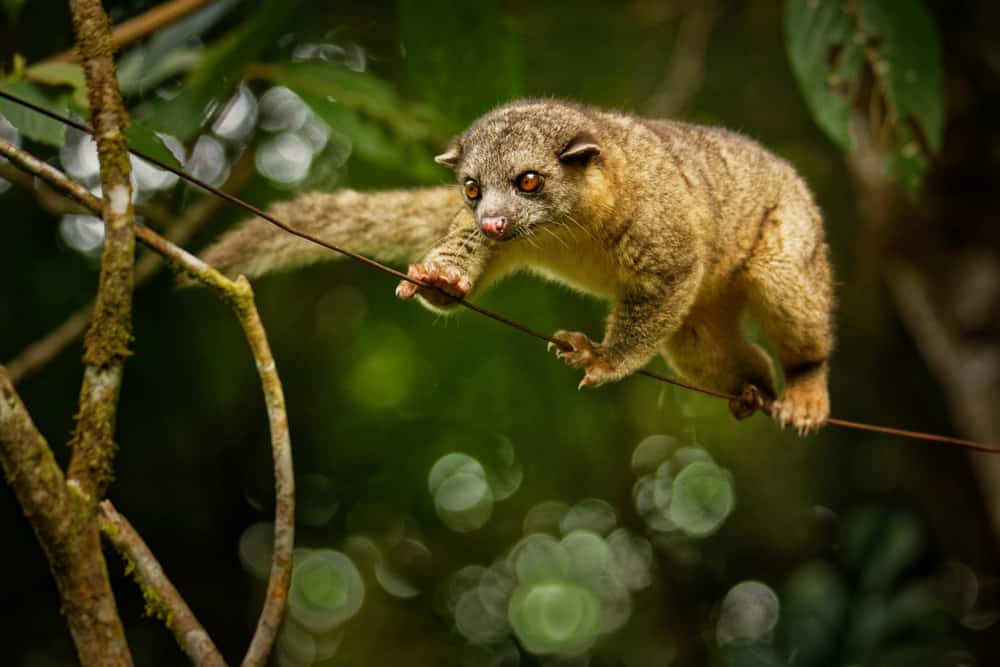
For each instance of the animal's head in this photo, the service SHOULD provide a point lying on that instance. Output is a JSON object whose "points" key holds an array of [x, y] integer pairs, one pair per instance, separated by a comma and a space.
{"points": [[524, 165]]}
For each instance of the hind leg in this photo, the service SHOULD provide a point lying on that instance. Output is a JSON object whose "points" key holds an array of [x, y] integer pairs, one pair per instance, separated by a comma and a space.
{"points": [[791, 292], [711, 350]]}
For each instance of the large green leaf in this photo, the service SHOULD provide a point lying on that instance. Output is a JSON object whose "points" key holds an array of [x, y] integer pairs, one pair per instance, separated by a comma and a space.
{"points": [[827, 73], [221, 69], [383, 129], [138, 73], [53, 73], [368, 139], [28, 122], [327, 86], [837, 48], [907, 62]]}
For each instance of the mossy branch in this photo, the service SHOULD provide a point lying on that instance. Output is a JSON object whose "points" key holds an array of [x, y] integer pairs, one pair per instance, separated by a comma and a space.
{"points": [[162, 599], [240, 297], [106, 345]]}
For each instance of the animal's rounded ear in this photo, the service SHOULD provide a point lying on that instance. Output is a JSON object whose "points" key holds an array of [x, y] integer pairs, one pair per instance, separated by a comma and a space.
{"points": [[581, 148], [451, 156]]}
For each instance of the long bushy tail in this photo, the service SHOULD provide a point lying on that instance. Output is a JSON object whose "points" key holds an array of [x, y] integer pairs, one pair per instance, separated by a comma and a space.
{"points": [[396, 226]]}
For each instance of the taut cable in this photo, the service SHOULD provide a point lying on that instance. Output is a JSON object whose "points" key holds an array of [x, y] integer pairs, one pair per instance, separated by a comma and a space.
{"points": [[875, 428]]}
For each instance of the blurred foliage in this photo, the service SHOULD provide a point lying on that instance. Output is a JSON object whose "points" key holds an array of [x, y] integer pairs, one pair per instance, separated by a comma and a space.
{"points": [[874, 58], [429, 451], [12, 8], [29, 123]]}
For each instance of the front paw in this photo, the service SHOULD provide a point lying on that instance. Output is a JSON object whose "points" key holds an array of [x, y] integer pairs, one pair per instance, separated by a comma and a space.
{"points": [[578, 351], [439, 278]]}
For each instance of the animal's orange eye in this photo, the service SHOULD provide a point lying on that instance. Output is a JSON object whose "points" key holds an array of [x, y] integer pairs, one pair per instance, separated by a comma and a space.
{"points": [[529, 181], [471, 188]]}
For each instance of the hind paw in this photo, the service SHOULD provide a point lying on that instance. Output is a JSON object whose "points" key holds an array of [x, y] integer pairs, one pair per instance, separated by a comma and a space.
{"points": [[804, 406], [750, 400]]}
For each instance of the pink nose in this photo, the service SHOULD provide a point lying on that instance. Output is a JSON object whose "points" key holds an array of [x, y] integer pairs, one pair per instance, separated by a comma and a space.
{"points": [[494, 227]]}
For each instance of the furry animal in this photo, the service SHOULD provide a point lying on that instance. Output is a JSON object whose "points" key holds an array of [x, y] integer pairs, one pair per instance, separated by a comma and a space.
{"points": [[680, 227]]}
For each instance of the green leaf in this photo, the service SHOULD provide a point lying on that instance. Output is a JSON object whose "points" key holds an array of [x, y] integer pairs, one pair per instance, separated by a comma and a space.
{"points": [[187, 30], [138, 73], [142, 138], [382, 128], [324, 86], [62, 74], [170, 51], [220, 70], [836, 48], [907, 63], [827, 72], [368, 139], [28, 122]]}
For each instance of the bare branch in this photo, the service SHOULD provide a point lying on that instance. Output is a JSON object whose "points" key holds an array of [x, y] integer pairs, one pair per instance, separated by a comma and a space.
{"points": [[160, 595], [39, 353], [284, 492], [142, 25], [239, 295], [27, 162]]}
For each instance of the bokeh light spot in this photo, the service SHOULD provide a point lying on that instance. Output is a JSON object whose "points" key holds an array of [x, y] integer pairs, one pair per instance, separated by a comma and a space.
{"points": [[284, 158], [749, 614], [588, 554], [238, 117], [591, 514], [83, 233], [255, 548], [207, 160], [702, 498], [651, 452], [451, 464], [555, 616], [538, 557], [326, 590], [280, 109], [544, 517], [631, 559]]}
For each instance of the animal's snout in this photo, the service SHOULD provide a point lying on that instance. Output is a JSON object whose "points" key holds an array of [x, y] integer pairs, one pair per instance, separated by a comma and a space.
{"points": [[495, 227]]}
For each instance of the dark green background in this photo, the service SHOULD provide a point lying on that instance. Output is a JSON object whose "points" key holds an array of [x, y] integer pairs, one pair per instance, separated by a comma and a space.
{"points": [[377, 389]]}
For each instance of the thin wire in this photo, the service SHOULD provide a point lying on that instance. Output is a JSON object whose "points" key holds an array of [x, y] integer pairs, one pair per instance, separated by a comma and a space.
{"points": [[875, 428]]}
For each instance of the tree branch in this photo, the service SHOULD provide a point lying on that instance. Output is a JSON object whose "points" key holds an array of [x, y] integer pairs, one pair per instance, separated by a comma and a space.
{"points": [[42, 351], [106, 345], [140, 26], [161, 597], [32, 471], [240, 296], [60, 516]]}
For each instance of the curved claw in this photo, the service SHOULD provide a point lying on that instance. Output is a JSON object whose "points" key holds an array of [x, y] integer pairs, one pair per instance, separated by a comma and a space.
{"points": [[435, 279], [578, 351]]}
